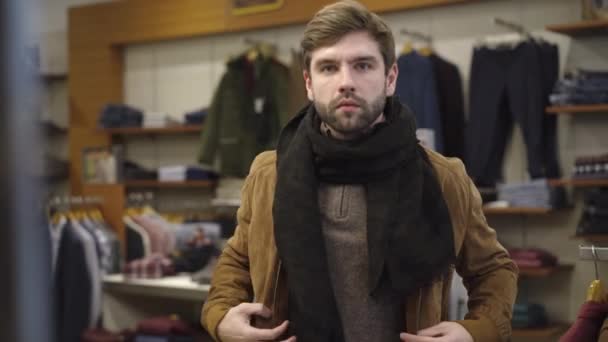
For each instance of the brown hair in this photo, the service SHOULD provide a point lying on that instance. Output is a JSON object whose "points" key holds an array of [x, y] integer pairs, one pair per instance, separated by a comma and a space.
{"points": [[334, 21]]}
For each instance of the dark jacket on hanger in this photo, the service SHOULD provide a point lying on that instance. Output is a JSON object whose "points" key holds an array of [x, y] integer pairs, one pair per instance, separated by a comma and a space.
{"points": [[248, 110], [72, 288], [451, 106], [416, 89]]}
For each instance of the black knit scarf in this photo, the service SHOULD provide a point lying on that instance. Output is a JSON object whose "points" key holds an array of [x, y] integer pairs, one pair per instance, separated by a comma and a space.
{"points": [[409, 232]]}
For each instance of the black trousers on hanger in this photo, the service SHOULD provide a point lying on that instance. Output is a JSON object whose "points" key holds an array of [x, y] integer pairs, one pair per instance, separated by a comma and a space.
{"points": [[506, 86]]}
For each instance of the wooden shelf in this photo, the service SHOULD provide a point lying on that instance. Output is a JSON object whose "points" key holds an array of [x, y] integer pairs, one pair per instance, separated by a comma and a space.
{"points": [[581, 28], [546, 332], [153, 130], [579, 182], [541, 272], [573, 109], [591, 237], [158, 184], [516, 211]]}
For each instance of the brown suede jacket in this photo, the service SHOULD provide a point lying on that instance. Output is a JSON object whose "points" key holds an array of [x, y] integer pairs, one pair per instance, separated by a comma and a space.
{"points": [[249, 269]]}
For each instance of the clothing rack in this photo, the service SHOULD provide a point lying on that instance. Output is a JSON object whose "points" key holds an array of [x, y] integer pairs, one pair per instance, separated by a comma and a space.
{"points": [[67, 202], [417, 35], [512, 26]]}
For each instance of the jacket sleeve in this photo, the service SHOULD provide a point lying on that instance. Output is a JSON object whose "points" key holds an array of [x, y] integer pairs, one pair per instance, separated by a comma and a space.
{"points": [[210, 134], [488, 273], [231, 281]]}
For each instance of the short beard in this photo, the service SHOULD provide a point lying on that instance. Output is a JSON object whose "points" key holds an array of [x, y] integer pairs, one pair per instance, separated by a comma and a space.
{"points": [[369, 113]]}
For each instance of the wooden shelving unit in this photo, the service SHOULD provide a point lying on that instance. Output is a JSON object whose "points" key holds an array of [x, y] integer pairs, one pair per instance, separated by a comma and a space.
{"points": [[516, 211], [574, 109], [581, 28], [546, 332], [543, 271], [159, 184], [579, 183], [153, 130]]}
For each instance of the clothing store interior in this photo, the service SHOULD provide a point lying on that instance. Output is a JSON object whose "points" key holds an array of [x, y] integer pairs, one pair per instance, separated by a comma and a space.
{"points": [[142, 119]]}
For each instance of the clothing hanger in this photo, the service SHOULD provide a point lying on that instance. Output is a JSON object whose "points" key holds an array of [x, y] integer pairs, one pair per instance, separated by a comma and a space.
{"points": [[595, 292], [417, 41], [519, 34]]}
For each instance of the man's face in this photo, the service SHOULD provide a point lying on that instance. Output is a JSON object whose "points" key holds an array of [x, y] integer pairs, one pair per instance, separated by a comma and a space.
{"points": [[348, 84]]}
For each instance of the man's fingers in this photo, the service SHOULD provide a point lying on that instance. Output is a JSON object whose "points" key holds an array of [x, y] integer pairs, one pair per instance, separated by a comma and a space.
{"points": [[291, 339], [266, 334], [434, 331], [415, 338], [254, 309]]}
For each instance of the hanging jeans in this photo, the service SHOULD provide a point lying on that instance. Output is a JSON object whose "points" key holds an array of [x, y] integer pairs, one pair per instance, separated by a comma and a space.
{"points": [[505, 86]]}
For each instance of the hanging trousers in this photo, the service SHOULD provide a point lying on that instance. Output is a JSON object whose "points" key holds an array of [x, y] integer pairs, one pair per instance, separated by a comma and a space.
{"points": [[507, 85]]}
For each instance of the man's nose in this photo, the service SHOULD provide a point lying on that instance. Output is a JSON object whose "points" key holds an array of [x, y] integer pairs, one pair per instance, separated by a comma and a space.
{"points": [[347, 83]]}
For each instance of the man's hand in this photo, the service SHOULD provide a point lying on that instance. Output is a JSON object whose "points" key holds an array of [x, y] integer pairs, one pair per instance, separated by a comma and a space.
{"points": [[236, 325], [442, 332]]}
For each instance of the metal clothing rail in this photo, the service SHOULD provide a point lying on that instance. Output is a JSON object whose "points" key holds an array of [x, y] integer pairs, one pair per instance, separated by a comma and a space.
{"points": [[417, 35], [592, 252]]}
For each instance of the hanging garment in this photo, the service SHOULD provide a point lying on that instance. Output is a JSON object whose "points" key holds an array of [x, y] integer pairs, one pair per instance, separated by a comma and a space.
{"points": [[416, 88], [549, 56], [451, 106], [72, 287], [247, 112], [506, 86], [92, 260], [587, 326], [297, 88]]}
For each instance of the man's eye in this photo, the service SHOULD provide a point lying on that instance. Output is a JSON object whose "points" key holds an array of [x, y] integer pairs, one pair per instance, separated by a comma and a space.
{"points": [[328, 68], [363, 66]]}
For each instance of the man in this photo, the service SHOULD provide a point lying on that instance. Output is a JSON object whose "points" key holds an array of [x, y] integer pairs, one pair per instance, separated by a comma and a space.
{"points": [[351, 230]]}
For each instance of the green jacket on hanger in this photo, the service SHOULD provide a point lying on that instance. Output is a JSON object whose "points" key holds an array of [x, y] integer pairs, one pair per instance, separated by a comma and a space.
{"points": [[246, 115]]}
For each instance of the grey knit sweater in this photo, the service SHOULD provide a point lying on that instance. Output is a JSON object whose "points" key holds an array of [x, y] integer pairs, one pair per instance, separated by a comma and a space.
{"points": [[344, 222]]}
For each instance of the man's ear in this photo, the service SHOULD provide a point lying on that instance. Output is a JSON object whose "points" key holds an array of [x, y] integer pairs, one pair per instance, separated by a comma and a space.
{"points": [[391, 80], [308, 82]]}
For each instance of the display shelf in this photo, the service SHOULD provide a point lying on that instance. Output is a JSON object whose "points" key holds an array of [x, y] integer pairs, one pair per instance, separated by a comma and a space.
{"points": [[545, 332], [535, 272], [591, 237], [517, 211], [579, 182], [176, 287], [152, 130], [159, 184], [581, 28], [574, 109]]}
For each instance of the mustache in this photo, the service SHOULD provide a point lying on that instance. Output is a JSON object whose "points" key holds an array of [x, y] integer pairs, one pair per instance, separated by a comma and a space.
{"points": [[348, 95]]}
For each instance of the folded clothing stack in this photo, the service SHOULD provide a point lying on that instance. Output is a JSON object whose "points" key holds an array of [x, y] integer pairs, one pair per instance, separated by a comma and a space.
{"points": [[180, 173], [595, 213], [528, 315], [581, 87], [120, 115], [591, 167], [532, 257], [532, 194], [196, 117], [134, 171], [152, 267]]}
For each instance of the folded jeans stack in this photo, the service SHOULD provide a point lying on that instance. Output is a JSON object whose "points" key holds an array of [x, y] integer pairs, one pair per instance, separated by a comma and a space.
{"points": [[595, 213], [535, 194], [119, 115], [582, 87], [528, 315]]}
